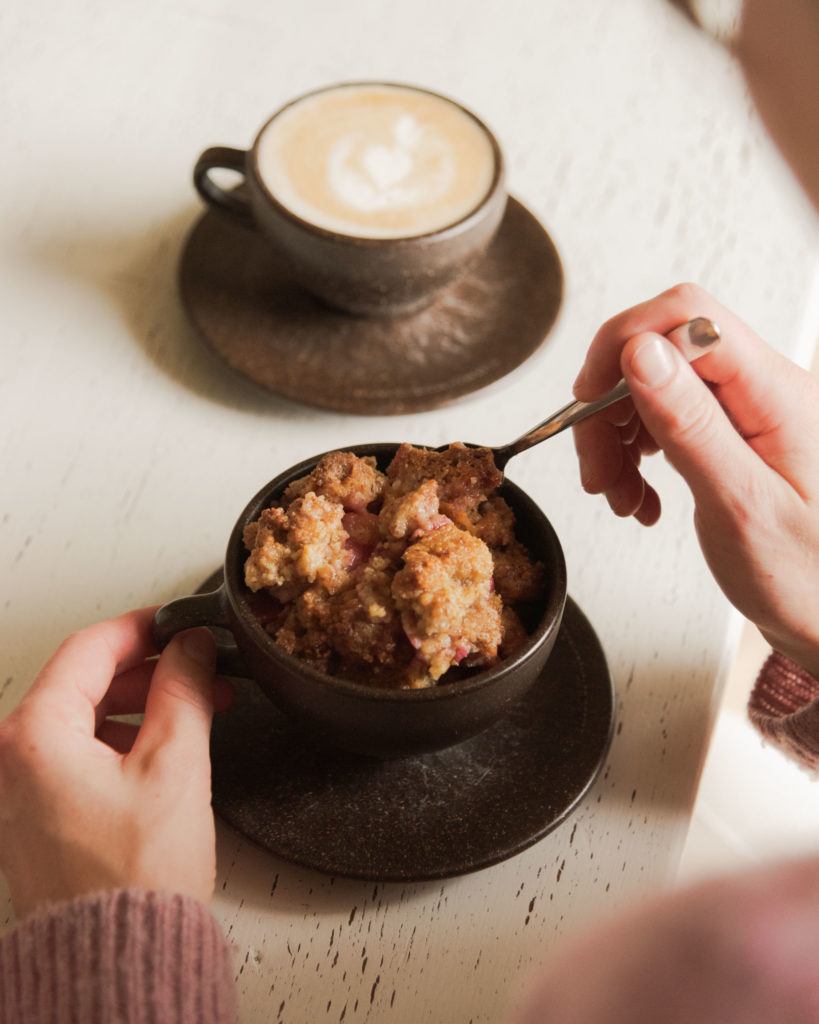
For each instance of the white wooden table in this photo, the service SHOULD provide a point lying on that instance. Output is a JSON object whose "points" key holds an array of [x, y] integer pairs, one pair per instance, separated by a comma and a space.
{"points": [[127, 452]]}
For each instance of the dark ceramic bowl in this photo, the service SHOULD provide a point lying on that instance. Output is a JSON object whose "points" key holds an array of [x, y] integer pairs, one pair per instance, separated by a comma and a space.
{"points": [[366, 276], [366, 719]]}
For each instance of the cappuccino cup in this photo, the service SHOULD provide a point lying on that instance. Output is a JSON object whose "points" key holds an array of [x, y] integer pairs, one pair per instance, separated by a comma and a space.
{"points": [[378, 195]]}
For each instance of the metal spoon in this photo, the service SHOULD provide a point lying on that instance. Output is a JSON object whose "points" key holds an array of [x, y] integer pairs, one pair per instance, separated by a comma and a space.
{"points": [[693, 340]]}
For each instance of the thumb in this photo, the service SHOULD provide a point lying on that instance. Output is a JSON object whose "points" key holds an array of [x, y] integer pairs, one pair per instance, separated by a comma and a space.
{"points": [[685, 419], [179, 708]]}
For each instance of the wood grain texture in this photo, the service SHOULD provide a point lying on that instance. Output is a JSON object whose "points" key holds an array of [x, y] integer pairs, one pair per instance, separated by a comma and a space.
{"points": [[127, 451]]}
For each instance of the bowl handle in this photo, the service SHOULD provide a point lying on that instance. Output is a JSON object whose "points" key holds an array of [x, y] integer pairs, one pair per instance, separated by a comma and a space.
{"points": [[200, 610]]}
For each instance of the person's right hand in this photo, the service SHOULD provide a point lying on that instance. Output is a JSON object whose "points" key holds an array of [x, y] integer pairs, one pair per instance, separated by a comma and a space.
{"points": [[741, 425]]}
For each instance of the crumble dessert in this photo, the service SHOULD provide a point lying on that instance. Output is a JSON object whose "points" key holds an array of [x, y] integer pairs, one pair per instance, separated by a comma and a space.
{"points": [[395, 578]]}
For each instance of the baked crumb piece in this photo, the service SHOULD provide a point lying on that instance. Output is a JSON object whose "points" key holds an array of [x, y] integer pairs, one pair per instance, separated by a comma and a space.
{"points": [[291, 548], [344, 478], [464, 475], [304, 631], [308, 646], [491, 520], [495, 523], [366, 627], [448, 610], [413, 512], [266, 539], [517, 578]]}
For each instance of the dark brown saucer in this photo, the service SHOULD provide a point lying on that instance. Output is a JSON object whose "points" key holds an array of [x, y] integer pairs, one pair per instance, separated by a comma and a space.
{"points": [[428, 816], [242, 302]]}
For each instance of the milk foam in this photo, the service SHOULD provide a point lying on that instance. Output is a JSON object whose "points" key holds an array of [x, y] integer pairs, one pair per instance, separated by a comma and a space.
{"points": [[377, 161], [373, 176]]}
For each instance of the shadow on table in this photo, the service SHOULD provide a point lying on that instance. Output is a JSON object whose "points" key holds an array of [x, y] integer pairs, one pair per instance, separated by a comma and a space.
{"points": [[650, 728], [136, 269]]}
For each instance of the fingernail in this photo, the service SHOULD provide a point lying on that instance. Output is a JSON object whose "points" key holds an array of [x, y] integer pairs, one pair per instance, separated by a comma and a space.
{"points": [[199, 645], [578, 381], [653, 362]]}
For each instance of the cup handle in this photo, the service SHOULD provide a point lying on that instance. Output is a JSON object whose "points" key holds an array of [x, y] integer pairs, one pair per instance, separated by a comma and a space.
{"points": [[233, 160], [200, 610]]}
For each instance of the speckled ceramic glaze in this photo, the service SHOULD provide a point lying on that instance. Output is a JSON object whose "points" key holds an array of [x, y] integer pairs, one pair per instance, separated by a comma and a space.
{"points": [[370, 276], [365, 719], [428, 816], [241, 298]]}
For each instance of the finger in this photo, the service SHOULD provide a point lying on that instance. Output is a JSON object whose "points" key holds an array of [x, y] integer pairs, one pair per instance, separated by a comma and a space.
{"points": [[179, 708], [128, 692], [649, 512], [634, 453], [599, 453], [660, 315], [686, 420], [79, 674], [751, 381], [630, 431], [648, 446], [626, 496], [128, 695], [620, 413], [120, 736]]}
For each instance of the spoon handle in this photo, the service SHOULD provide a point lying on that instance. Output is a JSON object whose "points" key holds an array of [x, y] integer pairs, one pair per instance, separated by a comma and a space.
{"points": [[693, 339]]}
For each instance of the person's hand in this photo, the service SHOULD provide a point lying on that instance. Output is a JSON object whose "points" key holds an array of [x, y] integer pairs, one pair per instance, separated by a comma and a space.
{"points": [[88, 803], [741, 425], [742, 949]]}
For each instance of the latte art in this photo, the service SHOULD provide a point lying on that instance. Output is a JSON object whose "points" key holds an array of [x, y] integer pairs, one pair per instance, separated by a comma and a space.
{"points": [[416, 167], [377, 161]]}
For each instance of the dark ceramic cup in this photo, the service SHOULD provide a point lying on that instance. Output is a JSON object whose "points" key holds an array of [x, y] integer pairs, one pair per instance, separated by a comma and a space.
{"points": [[365, 276], [365, 719]]}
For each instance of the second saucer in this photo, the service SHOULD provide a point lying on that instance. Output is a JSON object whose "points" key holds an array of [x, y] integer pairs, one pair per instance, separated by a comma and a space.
{"points": [[243, 302]]}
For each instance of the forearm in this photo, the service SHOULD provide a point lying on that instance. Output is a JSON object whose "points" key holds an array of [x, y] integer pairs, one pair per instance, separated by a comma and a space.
{"points": [[120, 957]]}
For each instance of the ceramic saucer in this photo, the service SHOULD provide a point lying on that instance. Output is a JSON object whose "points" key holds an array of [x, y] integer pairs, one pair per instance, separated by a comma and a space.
{"points": [[243, 304], [423, 817]]}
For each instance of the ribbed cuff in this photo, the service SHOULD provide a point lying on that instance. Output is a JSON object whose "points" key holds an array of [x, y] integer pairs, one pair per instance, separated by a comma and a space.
{"points": [[784, 706], [121, 957]]}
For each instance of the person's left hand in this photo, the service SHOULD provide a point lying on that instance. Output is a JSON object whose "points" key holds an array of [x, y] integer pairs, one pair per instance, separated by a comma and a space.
{"points": [[88, 803]]}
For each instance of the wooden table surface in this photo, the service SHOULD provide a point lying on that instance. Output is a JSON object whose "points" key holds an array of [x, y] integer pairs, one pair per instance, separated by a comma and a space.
{"points": [[127, 451]]}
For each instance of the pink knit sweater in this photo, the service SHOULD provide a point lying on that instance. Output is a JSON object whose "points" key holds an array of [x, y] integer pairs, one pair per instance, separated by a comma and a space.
{"points": [[784, 706], [131, 957], [122, 957]]}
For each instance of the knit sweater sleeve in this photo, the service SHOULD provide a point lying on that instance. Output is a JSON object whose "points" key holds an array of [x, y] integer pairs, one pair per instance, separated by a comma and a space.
{"points": [[784, 706], [120, 957]]}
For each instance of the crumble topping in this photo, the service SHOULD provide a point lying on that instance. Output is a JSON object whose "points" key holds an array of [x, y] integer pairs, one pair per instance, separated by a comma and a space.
{"points": [[394, 578]]}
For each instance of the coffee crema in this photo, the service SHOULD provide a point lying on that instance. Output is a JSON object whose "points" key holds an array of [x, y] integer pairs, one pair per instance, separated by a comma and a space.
{"points": [[377, 161]]}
